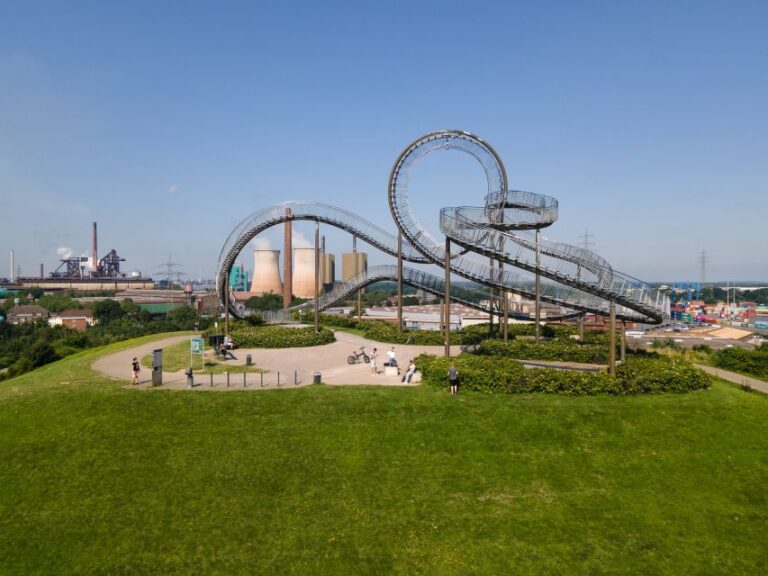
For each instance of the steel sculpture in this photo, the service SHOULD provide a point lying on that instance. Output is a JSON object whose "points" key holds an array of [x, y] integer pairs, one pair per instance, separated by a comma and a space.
{"points": [[499, 231]]}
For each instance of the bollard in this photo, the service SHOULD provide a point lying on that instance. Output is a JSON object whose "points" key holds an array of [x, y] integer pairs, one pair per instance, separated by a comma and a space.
{"points": [[211, 379], [227, 373], [278, 379], [295, 379], [262, 379], [243, 379]]}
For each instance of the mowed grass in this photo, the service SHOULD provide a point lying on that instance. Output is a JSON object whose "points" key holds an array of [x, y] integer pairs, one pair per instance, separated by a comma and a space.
{"points": [[101, 479], [177, 357]]}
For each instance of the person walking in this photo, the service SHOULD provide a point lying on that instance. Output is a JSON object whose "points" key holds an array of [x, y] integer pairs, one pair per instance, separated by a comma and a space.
{"points": [[453, 379], [136, 368], [374, 354]]}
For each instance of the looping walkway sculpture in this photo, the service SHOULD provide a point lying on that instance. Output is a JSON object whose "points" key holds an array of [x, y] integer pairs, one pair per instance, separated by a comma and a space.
{"points": [[499, 231]]}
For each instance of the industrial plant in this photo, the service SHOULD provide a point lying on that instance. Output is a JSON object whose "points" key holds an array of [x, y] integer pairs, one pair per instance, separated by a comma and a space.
{"points": [[85, 273], [298, 278]]}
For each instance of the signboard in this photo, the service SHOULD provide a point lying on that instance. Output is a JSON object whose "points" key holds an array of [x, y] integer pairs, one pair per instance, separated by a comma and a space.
{"points": [[196, 345]]}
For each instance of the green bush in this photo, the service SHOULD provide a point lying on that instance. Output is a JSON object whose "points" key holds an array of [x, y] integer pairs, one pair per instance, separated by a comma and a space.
{"points": [[646, 374], [753, 362], [562, 350], [246, 336]]}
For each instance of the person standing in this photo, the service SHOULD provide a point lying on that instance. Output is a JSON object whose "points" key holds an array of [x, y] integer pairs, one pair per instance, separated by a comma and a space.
{"points": [[453, 379], [374, 354], [136, 368]]}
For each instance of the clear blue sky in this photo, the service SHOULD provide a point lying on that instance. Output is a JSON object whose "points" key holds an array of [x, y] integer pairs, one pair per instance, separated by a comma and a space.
{"points": [[169, 122]]}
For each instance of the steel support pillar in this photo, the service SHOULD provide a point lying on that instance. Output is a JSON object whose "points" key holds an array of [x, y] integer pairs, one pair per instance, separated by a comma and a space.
{"points": [[612, 341], [447, 299], [399, 281], [317, 276]]}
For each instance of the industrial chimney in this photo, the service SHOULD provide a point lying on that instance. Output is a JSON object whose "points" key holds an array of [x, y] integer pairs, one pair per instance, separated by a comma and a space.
{"points": [[266, 273], [95, 265]]}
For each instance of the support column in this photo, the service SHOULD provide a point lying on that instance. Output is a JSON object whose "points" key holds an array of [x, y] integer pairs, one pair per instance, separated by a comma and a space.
{"points": [[399, 281], [491, 293], [623, 355], [226, 306], [538, 285], [504, 302], [612, 341], [317, 276], [287, 262], [447, 300]]}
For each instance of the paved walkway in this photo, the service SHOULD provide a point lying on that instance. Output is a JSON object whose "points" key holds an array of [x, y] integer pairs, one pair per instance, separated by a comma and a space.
{"points": [[293, 365], [290, 367], [736, 378]]}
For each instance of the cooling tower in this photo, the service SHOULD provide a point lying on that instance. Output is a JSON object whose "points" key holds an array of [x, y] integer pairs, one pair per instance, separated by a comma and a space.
{"points": [[352, 263], [304, 272], [266, 273], [327, 269]]}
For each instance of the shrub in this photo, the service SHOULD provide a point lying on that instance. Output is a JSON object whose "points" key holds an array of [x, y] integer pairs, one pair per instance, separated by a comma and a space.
{"points": [[645, 374], [247, 336], [639, 374], [753, 362], [562, 350]]}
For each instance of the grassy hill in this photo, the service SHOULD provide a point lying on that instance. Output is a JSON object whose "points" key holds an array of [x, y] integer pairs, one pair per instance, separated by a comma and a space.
{"points": [[97, 478]]}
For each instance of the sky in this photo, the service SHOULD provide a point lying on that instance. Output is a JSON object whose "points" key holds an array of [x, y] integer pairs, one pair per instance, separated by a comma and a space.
{"points": [[168, 123]]}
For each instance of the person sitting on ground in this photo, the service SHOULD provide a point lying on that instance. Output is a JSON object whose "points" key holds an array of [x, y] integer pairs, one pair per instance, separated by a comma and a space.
{"points": [[410, 372]]}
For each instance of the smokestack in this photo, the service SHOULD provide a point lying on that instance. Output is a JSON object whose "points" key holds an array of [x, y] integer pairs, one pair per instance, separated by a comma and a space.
{"points": [[287, 254], [266, 273], [41, 270], [322, 243], [13, 266], [95, 258]]}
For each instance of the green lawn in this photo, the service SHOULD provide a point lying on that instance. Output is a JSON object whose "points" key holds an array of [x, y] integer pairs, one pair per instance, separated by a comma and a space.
{"points": [[177, 357], [100, 478]]}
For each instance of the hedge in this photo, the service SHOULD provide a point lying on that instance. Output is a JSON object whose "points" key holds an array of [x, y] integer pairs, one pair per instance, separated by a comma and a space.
{"points": [[279, 336], [506, 375], [562, 350], [753, 362]]}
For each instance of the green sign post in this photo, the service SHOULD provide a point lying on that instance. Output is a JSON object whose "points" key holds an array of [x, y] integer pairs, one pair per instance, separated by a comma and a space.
{"points": [[196, 347]]}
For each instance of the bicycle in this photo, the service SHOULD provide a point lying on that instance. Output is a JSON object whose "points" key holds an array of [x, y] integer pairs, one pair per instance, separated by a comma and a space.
{"points": [[355, 356]]}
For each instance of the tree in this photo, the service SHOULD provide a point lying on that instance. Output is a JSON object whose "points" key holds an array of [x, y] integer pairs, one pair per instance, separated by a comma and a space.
{"points": [[269, 301], [57, 303], [182, 318], [106, 311]]}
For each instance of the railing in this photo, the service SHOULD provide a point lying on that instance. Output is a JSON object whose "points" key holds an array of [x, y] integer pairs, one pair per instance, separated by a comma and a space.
{"points": [[571, 277]]}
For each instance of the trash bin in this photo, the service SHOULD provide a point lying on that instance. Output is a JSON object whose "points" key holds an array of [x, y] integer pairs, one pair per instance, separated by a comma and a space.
{"points": [[316, 378], [190, 377], [248, 360]]}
